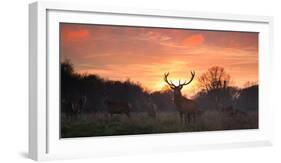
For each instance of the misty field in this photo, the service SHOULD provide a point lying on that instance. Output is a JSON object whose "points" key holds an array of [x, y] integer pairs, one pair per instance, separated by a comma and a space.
{"points": [[101, 124]]}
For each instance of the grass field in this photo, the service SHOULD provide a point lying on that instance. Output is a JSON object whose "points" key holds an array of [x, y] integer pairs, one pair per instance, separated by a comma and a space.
{"points": [[100, 124]]}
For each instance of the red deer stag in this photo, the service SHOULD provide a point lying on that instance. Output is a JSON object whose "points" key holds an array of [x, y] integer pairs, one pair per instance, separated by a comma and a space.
{"points": [[118, 107], [187, 108]]}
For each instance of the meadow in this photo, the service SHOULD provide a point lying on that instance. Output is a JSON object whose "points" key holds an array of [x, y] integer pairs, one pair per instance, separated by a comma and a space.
{"points": [[101, 124]]}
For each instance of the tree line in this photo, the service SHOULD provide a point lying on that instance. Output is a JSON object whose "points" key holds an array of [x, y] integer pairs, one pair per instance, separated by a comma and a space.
{"points": [[215, 91]]}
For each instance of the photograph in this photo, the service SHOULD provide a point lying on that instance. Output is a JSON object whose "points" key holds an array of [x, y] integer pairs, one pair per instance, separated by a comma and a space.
{"points": [[129, 80]]}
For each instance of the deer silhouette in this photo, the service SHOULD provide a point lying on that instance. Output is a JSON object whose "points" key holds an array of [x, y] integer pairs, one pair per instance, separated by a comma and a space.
{"points": [[118, 107], [188, 109]]}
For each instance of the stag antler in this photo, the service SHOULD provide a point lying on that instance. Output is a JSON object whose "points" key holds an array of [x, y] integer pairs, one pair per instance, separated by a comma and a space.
{"points": [[192, 77], [171, 84]]}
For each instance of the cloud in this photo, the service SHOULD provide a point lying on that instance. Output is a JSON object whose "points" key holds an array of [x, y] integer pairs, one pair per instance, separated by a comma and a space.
{"points": [[193, 40], [76, 35]]}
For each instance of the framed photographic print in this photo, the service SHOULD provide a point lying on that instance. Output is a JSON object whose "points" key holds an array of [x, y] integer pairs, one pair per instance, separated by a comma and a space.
{"points": [[109, 81]]}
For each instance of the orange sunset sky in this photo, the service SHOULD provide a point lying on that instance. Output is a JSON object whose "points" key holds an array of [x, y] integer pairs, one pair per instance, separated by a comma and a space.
{"points": [[144, 54]]}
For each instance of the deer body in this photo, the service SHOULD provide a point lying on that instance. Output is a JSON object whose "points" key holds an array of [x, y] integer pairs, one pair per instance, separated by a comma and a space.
{"points": [[188, 109], [118, 107]]}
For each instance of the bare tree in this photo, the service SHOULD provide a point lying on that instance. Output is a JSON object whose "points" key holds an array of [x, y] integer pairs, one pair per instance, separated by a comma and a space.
{"points": [[215, 82], [215, 78]]}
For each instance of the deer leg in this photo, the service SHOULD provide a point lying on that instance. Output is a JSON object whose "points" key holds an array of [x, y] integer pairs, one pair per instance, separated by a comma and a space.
{"points": [[189, 117], [186, 118], [107, 115], [71, 116], [181, 120], [194, 117], [128, 115]]}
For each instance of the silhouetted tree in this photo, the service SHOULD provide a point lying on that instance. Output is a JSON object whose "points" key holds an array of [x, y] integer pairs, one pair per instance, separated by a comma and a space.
{"points": [[215, 83], [215, 78], [215, 93], [97, 89]]}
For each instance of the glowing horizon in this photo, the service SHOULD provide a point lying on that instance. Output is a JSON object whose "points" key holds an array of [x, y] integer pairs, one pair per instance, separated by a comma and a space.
{"points": [[144, 54]]}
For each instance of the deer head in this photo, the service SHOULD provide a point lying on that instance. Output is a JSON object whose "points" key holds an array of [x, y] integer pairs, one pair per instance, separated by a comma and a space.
{"points": [[177, 88]]}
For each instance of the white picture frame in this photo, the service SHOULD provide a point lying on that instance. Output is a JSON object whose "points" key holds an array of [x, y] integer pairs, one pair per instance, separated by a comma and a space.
{"points": [[44, 141]]}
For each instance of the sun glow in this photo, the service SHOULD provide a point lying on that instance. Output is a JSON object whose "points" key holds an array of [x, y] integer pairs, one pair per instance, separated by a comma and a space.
{"points": [[189, 90]]}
